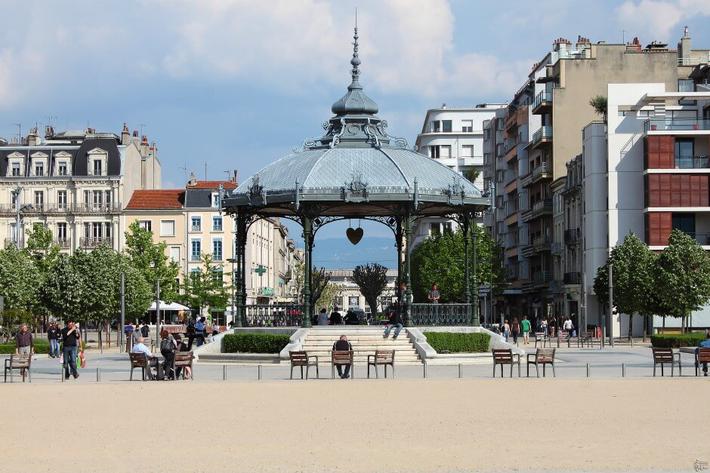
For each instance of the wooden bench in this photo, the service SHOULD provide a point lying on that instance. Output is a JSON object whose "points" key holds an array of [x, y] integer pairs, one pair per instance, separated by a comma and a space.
{"points": [[565, 336], [505, 357], [542, 356], [23, 363], [662, 356], [590, 338], [542, 338], [342, 357], [380, 358], [183, 361], [701, 356], [140, 360], [302, 359]]}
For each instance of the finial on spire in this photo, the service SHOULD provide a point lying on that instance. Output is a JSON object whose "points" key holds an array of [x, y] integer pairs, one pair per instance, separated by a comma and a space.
{"points": [[355, 61]]}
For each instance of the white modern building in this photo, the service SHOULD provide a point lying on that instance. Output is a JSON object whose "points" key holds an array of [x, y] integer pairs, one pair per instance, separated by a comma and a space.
{"points": [[453, 137]]}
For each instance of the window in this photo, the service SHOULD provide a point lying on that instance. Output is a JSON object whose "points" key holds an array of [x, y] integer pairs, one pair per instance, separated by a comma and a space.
{"points": [[215, 200], [448, 227], [446, 126], [62, 199], [216, 224], [685, 223], [61, 231], [445, 151], [175, 253], [87, 198], [195, 250], [217, 249], [686, 85], [196, 224], [467, 126], [13, 232], [146, 225], [467, 151], [39, 168], [97, 199], [167, 228], [107, 198], [16, 169], [39, 200], [434, 229], [353, 301], [684, 151], [97, 167], [435, 126], [62, 168]]}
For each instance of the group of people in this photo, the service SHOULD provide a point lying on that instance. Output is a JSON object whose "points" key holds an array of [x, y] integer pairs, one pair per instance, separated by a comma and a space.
{"points": [[64, 343], [195, 331], [169, 345], [517, 328], [336, 318]]}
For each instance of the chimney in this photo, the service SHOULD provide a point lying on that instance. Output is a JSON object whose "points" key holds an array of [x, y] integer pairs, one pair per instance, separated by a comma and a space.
{"points": [[193, 180], [33, 137], [49, 132], [144, 146], [684, 48], [125, 135], [634, 45]]}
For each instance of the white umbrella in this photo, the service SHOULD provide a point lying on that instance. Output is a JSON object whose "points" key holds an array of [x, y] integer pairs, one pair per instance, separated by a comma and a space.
{"points": [[166, 306]]}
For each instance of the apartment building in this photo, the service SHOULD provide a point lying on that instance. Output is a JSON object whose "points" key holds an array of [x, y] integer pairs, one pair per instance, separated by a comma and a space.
{"points": [[453, 137], [189, 221], [558, 91], [73, 182], [350, 296]]}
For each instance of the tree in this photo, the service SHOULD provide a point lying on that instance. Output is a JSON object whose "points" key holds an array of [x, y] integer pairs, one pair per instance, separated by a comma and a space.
{"points": [[372, 281], [684, 276], [150, 259], [204, 287], [633, 271], [327, 295], [320, 278], [440, 259], [19, 284], [44, 253], [599, 103]]}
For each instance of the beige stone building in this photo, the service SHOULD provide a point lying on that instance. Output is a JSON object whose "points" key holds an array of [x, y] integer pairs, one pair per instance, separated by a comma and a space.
{"points": [[74, 182]]}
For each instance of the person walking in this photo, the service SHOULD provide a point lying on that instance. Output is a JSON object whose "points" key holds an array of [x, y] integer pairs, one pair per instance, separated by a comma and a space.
{"points": [[24, 342], [200, 331], [343, 345], [395, 320], [53, 334], [515, 330], [525, 325], [506, 330], [71, 338], [128, 330], [434, 294], [567, 326], [323, 317]]}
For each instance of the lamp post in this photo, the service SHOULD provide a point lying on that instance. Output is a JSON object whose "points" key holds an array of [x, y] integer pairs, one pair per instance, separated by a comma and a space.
{"points": [[123, 312], [157, 305], [234, 294]]}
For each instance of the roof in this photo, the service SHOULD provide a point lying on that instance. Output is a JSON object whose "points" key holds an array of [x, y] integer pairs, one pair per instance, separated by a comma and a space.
{"points": [[228, 185], [156, 199]]}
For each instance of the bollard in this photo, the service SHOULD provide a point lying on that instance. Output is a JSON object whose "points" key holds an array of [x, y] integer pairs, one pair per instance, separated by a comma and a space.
{"points": [[425, 373], [460, 371], [224, 372], [623, 370], [98, 375], [258, 372], [587, 370], [61, 374]]}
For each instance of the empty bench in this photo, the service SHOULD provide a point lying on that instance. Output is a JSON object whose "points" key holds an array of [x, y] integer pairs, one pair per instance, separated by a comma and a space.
{"points": [[380, 358], [664, 356], [505, 356], [22, 363]]}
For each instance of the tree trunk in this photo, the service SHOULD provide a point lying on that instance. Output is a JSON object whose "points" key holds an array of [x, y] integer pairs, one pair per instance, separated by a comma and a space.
{"points": [[663, 330], [101, 342]]}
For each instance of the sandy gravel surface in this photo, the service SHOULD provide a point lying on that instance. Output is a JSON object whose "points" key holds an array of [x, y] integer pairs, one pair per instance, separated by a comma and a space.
{"points": [[357, 426]]}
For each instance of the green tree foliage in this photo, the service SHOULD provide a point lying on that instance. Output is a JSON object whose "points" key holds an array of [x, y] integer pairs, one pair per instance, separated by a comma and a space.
{"points": [[65, 287], [599, 103], [19, 285], [372, 281], [149, 259], [204, 287], [440, 260], [683, 275], [327, 295], [633, 271], [320, 278], [45, 254]]}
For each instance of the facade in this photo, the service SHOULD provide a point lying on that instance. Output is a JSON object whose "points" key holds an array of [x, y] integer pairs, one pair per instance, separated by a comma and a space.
{"points": [[189, 221], [75, 183], [454, 138], [558, 91], [350, 297]]}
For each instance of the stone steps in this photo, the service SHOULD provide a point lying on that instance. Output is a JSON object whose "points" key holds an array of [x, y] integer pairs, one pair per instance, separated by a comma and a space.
{"points": [[365, 341]]}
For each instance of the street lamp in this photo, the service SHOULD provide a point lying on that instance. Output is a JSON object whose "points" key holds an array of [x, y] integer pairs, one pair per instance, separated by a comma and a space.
{"points": [[157, 306], [234, 295]]}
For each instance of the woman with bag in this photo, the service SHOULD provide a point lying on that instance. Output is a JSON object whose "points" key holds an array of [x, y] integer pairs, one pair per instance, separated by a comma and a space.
{"points": [[168, 346]]}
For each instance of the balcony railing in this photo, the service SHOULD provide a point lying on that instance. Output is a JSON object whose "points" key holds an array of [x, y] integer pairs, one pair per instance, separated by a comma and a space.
{"points": [[59, 209], [572, 278], [542, 277], [676, 124], [440, 314], [572, 236], [95, 242], [544, 134], [692, 162], [701, 238], [63, 243], [543, 99]]}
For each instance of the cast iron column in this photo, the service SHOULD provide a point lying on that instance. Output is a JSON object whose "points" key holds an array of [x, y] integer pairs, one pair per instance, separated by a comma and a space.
{"points": [[466, 226], [398, 238], [408, 223], [476, 317], [308, 246], [241, 270]]}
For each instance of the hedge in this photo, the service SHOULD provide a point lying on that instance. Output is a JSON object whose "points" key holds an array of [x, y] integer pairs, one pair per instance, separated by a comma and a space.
{"points": [[41, 347], [458, 342], [677, 340], [254, 343]]}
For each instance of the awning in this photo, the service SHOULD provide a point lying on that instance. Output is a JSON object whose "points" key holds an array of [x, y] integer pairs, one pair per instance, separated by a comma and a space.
{"points": [[166, 306]]}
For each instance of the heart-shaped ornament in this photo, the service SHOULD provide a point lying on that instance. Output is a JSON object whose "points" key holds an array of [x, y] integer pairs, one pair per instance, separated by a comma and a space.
{"points": [[354, 235]]}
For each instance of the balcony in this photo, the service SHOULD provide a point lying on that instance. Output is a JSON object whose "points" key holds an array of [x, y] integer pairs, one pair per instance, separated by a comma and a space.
{"points": [[541, 278], [540, 172], [572, 278], [62, 209], [95, 242], [676, 125], [692, 162], [542, 103], [538, 209], [541, 136], [572, 236], [63, 243]]}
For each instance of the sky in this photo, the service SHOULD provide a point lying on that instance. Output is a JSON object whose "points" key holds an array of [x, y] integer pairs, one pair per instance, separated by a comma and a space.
{"points": [[235, 84]]}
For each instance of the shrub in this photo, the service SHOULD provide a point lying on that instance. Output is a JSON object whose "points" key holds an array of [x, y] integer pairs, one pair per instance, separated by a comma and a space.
{"points": [[677, 340], [254, 343], [41, 347], [458, 342]]}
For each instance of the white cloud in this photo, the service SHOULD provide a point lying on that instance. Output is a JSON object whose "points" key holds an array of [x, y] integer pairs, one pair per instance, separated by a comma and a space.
{"points": [[658, 19]]}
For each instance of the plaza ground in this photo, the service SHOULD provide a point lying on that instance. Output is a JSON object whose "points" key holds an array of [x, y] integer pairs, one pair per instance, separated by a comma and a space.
{"points": [[373, 426]]}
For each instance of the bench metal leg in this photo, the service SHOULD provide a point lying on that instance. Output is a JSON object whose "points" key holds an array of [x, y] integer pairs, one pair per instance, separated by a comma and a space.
{"points": [[377, 373], [654, 369], [537, 371], [554, 375], [368, 370]]}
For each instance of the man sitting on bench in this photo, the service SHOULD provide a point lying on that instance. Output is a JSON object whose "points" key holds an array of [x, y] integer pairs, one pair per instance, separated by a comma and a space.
{"points": [[705, 344], [139, 347], [343, 345]]}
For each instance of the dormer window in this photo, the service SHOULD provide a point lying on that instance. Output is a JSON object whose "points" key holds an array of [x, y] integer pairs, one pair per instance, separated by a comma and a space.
{"points": [[97, 167], [97, 162], [16, 169], [62, 164], [62, 168], [39, 168], [38, 164]]}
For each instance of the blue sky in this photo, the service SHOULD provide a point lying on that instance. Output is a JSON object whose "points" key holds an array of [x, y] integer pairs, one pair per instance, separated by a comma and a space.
{"points": [[236, 84]]}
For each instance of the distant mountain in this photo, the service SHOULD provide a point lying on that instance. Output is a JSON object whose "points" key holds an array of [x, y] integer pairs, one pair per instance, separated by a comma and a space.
{"points": [[333, 253]]}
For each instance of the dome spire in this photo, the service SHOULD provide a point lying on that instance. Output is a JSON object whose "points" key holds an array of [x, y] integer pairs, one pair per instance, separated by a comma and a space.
{"points": [[355, 102]]}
